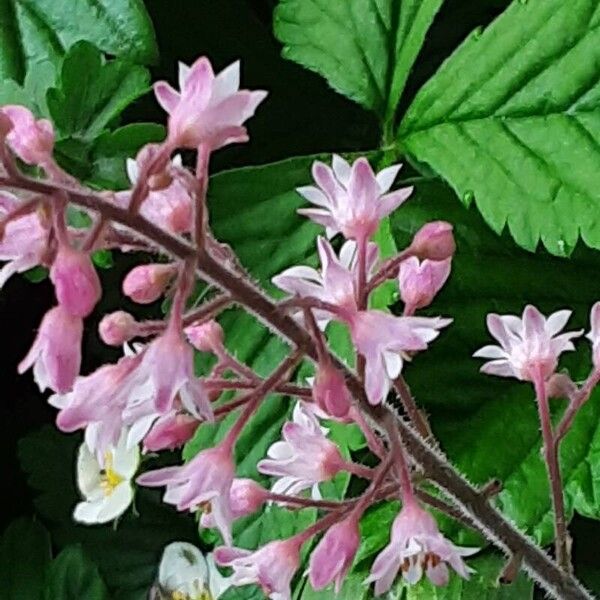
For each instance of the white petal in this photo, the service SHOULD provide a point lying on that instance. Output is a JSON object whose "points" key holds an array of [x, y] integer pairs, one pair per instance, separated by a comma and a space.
{"points": [[125, 459], [88, 472], [217, 584], [314, 195], [139, 429], [393, 364], [226, 83], [182, 564], [490, 352], [386, 177], [133, 170], [556, 321], [184, 71], [87, 512], [116, 503], [342, 169]]}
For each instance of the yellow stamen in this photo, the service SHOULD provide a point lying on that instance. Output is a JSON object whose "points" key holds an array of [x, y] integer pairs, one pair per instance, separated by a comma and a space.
{"points": [[110, 479], [204, 595]]}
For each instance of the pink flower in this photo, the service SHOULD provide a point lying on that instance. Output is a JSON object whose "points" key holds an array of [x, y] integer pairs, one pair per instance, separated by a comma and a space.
{"points": [[75, 280], [383, 340], [434, 241], [528, 346], [330, 393], [202, 483], [304, 459], [206, 337], [147, 283], [419, 282], [56, 352], [417, 546], [245, 497], [352, 199], [209, 109], [117, 328], [25, 240], [30, 139], [335, 283], [272, 567], [594, 334], [333, 556], [170, 431]]}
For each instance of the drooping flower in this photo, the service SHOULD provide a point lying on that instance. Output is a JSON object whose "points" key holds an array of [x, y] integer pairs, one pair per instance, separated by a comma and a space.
{"points": [[304, 459], [208, 109], [204, 483], [147, 283], [352, 199], [330, 393], [56, 352], [335, 283], [76, 283], [384, 340], [206, 337], [417, 547], [272, 567], [185, 573], [106, 483], [170, 431], [594, 334], [419, 282], [25, 240], [31, 139], [117, 328], [434, 241], [334, 554], [529, 346]]}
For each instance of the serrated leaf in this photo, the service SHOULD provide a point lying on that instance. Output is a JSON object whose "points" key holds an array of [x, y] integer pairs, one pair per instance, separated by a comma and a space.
{"points": [[92, 92], [364, 48], [34, 31], [73, 576], [24, 555], [511, 120]]}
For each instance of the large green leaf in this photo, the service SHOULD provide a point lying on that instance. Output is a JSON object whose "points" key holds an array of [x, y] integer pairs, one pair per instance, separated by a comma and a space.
{"points": [[364, 48], [511, 120], [24, 556], [33, 31]]}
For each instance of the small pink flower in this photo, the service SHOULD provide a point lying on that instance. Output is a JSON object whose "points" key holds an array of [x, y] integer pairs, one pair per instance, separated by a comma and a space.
{"points": [[272, 567], [75, 280], [434, 241], [352, 199], [594, 334], [246, 497], [383, 340], [206, 337], [56, 352], [209, 109], [304, 459], [334, 554], [528, 346], [170, 431], [25, 240], [147, 283], [330, 393], [30, 139], [204, 483], [335, 283], [419, 282], [117, 328], [417, 547]]}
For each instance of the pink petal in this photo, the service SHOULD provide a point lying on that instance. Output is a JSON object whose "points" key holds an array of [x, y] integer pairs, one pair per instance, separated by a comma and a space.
{"points": [[167, 97], [161, 477], [385, 178]]}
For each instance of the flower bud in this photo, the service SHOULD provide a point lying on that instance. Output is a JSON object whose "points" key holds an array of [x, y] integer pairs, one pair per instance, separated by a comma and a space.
{"points": [[434, 241], [75, 280], [30, 139], [170, 431], [117, 328], [560, 385], [206, 337], [146, 283], [419, 282], [330, 392]]}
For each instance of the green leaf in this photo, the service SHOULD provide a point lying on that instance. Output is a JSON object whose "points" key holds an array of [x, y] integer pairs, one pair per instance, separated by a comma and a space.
{"points": [[33, 31], [103, 259], [511, 121], [92, 92], [36, 274], [364, 48], [24, 555], [73, 576], [353, 589]]}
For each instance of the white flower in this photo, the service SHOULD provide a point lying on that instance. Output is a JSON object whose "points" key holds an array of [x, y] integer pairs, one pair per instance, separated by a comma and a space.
{"points": [[106, 484], [186, 574]]}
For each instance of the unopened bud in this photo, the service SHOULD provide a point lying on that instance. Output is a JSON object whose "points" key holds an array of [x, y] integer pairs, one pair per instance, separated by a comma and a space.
{"points": [[117, 328], [206, 337], [146, 283], [560, 385], [419, 282], [330, 392], [434, 241]]}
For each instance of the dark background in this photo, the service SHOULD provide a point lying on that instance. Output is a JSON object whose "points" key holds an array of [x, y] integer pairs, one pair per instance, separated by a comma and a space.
{"points": [[301, 116]]}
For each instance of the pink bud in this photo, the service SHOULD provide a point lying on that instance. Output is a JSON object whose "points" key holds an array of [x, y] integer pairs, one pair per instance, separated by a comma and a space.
{"points": [[170, 431], [117, 328], [560, 385], [75, 280], [206, 337], [30, 139], [434, 241], [147, 283], [419, 282], [330, 392]]}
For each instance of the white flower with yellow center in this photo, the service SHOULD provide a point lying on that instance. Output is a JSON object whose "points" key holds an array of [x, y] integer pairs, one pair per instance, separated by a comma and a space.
{"points": [[186, 574], [105, 484]]}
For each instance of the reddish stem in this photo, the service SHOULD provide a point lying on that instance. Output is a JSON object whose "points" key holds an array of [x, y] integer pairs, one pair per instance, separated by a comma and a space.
{"points": [[388, 270], [412, 410]]}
